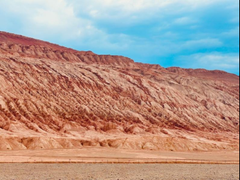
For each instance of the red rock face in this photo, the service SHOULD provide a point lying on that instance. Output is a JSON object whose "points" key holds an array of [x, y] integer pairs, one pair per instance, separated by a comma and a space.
{"points": [[55, 97]]}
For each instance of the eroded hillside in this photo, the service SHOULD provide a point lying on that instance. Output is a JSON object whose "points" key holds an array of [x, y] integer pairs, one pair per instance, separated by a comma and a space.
{"points": [[55, 97]]}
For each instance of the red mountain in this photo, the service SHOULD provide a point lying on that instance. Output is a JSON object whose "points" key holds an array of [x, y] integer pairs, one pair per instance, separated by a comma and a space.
{"points": [[56, 97]]}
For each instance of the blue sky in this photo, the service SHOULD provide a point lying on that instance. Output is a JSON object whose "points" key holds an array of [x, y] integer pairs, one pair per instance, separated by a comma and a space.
{"points": [[184, 33]]}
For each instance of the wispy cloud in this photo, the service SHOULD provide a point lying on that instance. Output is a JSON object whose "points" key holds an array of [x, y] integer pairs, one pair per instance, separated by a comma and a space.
{"points": [[202, 43], [211, 61], [184, 21], [232, 32]]}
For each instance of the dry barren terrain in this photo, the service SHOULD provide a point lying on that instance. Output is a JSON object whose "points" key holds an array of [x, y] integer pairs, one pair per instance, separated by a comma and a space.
{"points": [[118, 172], [108, 155]]}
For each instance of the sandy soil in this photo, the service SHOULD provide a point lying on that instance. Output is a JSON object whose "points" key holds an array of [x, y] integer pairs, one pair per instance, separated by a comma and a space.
{"points": [[117, 164], [106, 155], [117, 171]]}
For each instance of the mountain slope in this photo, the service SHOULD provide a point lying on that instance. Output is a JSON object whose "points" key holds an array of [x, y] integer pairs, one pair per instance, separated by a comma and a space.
{"points": [[55, 97]]}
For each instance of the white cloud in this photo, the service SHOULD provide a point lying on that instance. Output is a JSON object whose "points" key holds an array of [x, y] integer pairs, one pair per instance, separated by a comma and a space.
{"points": [[184, 21], [212, 61], [171, 47], [133, 6], [48, 19], [69, 18], [61, 21], [232, 33], [235, 20], [202, 43], [127, 12]]}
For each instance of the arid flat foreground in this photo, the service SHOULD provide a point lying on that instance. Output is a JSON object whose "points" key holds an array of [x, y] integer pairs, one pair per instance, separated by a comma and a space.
{"points": [[111, 155], [117, 164], [32, 171]]}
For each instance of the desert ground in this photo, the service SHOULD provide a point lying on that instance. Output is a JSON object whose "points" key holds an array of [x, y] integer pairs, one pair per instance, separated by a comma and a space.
{"points": [[111, 155], [33, 171], [117, 164]]}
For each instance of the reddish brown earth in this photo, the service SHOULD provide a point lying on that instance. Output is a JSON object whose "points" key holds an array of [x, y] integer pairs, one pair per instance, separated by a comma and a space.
{"points": [[55, 97]]}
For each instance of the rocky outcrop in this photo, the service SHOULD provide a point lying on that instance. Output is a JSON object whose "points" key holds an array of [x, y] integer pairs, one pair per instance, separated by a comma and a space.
{"points": [[55, 97]]}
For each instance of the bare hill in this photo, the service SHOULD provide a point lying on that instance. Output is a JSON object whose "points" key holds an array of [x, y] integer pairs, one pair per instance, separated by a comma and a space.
{"points": [[56, 97]]}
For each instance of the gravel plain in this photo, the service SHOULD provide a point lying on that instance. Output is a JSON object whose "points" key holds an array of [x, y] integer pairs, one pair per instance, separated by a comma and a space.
{"points": [[71, 171]]}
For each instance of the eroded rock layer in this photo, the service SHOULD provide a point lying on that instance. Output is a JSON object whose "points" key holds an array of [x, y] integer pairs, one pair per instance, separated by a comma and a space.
{"points": [[55, 97]]}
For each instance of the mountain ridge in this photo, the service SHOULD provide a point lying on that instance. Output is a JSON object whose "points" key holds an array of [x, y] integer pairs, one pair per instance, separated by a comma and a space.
{"points": [[63, 98], [27, 41]]}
